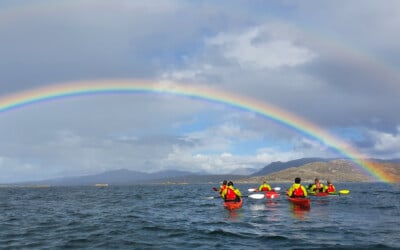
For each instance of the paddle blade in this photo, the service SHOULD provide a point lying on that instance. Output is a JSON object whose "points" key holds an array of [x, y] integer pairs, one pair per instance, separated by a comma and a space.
{"points": [[257, 196], [344, 191], [277, 188], [252, 190]]}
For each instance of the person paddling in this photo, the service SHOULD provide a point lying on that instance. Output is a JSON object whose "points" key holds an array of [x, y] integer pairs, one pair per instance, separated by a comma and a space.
{"points": [[329, 188], [231, 194], [264, 187], [297, 190], [223, 187], [317, 186]]}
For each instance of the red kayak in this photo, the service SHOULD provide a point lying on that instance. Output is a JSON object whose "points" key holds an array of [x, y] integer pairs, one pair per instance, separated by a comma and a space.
{"points": [[232, 205], [271, 194], [301, 202]]}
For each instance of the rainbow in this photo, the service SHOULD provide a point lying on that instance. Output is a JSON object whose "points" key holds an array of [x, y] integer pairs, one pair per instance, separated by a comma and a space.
{"points": [[79, 88]]}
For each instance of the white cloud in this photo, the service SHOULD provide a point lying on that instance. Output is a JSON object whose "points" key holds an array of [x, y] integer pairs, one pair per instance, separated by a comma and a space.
{"points": [[386, 144], [258, 48], [308, 66]]}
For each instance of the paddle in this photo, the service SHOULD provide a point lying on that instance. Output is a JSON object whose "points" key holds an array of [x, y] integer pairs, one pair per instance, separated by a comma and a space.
{"points": [[344, 191], [256, 196], [211, 197], [256, 190], [252, 196]]}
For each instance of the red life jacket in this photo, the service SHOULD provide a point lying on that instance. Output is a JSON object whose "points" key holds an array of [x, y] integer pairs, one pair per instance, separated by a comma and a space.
{"points": [[331, 188], [230, 194], [298, 192], [265, 188]]}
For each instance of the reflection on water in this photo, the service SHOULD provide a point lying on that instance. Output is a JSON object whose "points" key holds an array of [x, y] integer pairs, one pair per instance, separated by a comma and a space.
{"points": [[233, 215], [257, 207], [272, 204], [299, 212]]}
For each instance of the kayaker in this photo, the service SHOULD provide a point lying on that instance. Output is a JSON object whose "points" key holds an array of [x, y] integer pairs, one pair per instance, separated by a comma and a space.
{"points": [[231, 193], [317, 186], [329, 188], [297, 190], [264, 187], [223, 187]]}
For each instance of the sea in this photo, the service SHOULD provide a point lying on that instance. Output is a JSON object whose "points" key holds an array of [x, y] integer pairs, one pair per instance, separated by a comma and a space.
{"points": [[192, 217]]}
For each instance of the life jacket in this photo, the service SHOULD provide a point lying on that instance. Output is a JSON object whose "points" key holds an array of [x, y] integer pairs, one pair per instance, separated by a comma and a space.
{"points": [[298, 192], [331, 188], [230, 194], [222, 189], [317, 187], [265, 187]]}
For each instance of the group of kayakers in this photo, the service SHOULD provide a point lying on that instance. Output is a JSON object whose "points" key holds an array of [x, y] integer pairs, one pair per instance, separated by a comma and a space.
{"points": [[318, 187], [298, 190], [232, 194]]}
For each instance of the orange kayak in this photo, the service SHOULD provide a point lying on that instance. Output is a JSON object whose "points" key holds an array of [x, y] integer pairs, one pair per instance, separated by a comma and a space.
{"points": [[232, 205]]}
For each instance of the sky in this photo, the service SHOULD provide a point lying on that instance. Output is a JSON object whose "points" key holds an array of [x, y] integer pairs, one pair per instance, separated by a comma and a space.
{"points": [[335, 64]]}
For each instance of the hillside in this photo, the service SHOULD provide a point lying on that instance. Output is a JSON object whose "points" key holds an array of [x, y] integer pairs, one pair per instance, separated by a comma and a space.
{"points": [[278, 165], [336, 170]]}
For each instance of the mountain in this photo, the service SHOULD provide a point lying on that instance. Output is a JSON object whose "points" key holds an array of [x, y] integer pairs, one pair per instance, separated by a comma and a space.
{"points": [[114, 177], [243, 171], [279, 166], [338, 170]]}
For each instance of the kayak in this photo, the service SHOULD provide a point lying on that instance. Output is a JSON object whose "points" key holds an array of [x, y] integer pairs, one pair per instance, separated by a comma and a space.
{"points": [[271, 194], [319, 194], [301, 202], [232, 205]]}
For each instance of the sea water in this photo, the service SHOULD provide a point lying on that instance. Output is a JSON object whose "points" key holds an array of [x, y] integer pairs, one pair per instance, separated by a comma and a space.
{"points": [[192, 217]]}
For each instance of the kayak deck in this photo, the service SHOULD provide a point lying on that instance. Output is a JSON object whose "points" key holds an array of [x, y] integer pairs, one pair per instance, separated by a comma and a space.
{"points": [[319, 194], [232, 205], [301, 202], [271, 194]]}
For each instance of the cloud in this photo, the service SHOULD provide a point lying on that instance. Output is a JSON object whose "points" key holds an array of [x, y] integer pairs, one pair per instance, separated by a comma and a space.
{"points": [[316, 60], [255, 48], [385, 145]]}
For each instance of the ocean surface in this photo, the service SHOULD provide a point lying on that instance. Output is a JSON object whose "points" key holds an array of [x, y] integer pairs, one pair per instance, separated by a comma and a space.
{"points": [[189, 217]]}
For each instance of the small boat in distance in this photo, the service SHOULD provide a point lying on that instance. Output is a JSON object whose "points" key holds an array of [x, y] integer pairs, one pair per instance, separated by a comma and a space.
{"points": [[101, 185]]}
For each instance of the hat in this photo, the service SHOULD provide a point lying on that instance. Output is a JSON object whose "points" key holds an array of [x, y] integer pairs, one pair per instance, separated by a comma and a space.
{"points": [[297, 180]]}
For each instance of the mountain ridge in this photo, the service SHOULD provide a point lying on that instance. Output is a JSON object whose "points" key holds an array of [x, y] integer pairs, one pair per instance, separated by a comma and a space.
{"points": [[307, 168]]}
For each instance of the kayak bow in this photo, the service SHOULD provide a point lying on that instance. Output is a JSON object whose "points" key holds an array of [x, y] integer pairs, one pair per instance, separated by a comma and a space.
{"points": [[301, 202], [271, 194], [232, 205]]}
